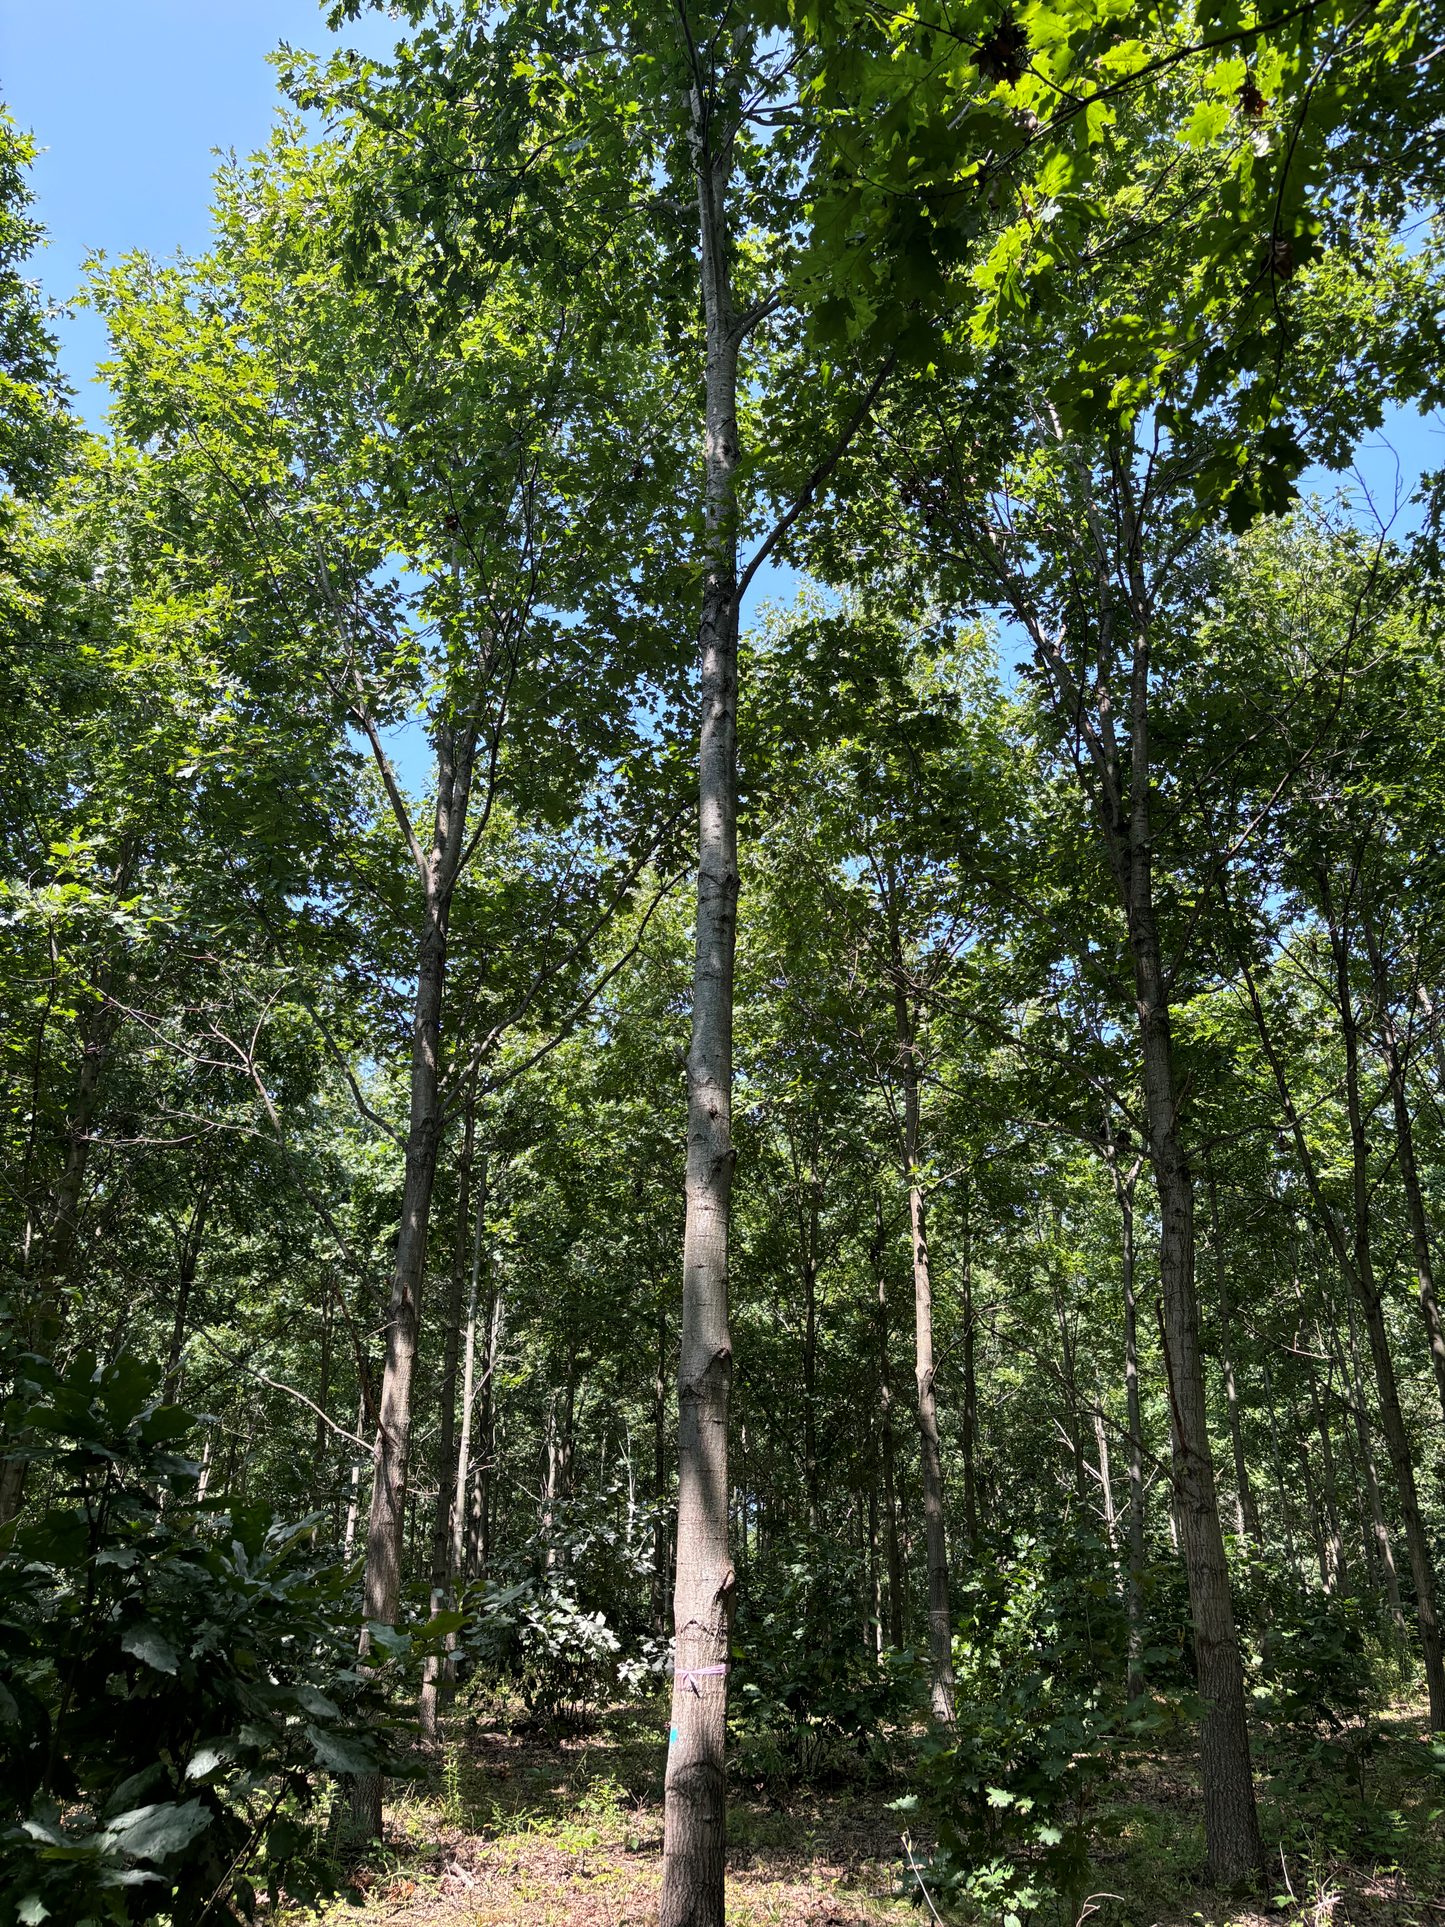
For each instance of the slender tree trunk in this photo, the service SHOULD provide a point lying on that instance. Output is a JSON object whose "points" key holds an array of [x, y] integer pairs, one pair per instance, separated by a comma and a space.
{"points": [[970, 1392], [190, 1258], [1279, 1485], [349, 1538], [1231, 1821], [381, 1586], [1246, 1512], [1124, 1197], [1101, 1447], [1384, 1555], [810, 1348], [441, 1537], [457, 1567], [551, 1480], [1405, 1150], [323, 1399], [484, 1485], [1316, 1511], [896, 1587], [660, 1534], [875, 1574], [695, 1828], [1071, 1394], [1360, 1264], [940, 1629], [456, 1548], [1121, 789]]}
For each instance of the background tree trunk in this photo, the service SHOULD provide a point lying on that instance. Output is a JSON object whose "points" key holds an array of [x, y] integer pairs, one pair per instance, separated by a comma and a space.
{"points": [[940, 1628], [885, 1436], [386, 1528], [1405, 1149], [1246, 1512], [1361, 1262]]}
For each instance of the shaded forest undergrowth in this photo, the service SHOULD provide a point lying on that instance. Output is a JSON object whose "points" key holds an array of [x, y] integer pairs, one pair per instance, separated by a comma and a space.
{"points": [[513, 1821]]}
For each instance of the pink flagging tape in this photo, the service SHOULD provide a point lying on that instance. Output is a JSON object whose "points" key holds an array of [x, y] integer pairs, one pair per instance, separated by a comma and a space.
{"points": [[692, 1674]]}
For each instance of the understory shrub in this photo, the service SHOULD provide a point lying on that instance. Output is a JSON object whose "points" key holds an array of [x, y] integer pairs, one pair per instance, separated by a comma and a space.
{"points": [[1316, 1682], [561, 1619], [178, 1680], [1039, 1662], [808, 1695]]}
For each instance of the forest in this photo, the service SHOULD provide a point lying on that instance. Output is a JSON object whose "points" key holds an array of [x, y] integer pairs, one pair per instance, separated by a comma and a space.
{"points": [[674, 1264]]}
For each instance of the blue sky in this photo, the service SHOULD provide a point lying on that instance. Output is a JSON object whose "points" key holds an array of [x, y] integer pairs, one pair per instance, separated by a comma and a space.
{"points": [[131, 98]]}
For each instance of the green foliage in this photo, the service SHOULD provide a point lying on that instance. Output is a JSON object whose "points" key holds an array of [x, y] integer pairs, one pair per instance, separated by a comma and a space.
{"points": [[1317, 1688], [1038, 1657], [805, 1684], [178, 1677], [36, 428], [554, 1617]]}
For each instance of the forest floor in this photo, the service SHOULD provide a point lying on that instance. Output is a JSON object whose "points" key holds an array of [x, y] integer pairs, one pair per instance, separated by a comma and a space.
{"points": [[517, 1826]]}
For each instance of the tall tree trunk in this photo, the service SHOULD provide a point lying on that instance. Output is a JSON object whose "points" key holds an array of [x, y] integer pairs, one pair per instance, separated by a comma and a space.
{"points": [[695, 1827], [660, 1534], [810, 1347], [1121, 790], [381, 1585], [1384, 1555], [457, 1568], [1231, 1821], [940, 1629], [885, 1436], [1101, 1447], [1124, 1198], [483, 1507], [970, 1388], [1246, 1512], [441, 1536], [1405, 1150]]}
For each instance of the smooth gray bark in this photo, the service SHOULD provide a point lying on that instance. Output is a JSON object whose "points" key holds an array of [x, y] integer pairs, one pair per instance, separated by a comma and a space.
{"points": [[457, 1560], [661, 1538], [441, 1537], [940, 1627], [695, 1823]]}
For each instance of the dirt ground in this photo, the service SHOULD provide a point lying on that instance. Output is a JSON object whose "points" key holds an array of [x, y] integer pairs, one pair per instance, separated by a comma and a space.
{"points": [[515, 1826]]}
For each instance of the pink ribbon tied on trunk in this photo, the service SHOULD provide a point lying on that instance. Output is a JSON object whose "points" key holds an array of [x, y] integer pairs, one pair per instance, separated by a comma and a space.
{"points": [[692, 1674]]}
